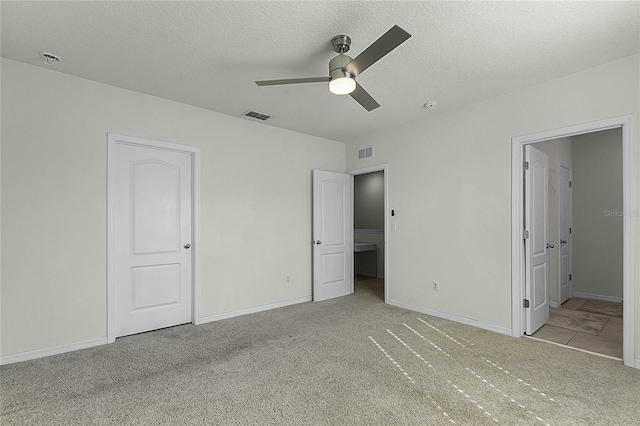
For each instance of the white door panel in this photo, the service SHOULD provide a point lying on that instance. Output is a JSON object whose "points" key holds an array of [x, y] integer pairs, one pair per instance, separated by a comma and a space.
{"points": [[332, 235], [156, 285], [152, 238], [536, 245], [156, 207], [564, 204]]}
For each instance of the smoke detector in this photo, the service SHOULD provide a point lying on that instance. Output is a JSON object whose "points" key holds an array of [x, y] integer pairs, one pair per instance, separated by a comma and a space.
{"points": [[431, 105]]}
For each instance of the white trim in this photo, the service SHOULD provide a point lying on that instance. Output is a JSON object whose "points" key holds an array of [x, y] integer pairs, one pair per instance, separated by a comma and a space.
{"points": [[384, 168], [452, 317], [195, 206], [254, 309], [629, 190], [597, 297], [554, 304], [636, 364], [52, 350], [112, 140], [369, 231]]}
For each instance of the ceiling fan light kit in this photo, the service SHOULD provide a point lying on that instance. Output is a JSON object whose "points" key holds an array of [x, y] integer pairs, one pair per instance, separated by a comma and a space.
{"points": [[342, 85], [343, 70]]}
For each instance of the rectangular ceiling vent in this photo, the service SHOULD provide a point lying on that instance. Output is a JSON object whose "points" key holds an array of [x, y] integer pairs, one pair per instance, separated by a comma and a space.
{"points": [[365, 153], [257, 115]]}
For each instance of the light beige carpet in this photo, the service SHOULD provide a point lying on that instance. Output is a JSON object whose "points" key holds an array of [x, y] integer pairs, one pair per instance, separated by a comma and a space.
{"points": [[613, 309], [346, 361], [583, 322]]}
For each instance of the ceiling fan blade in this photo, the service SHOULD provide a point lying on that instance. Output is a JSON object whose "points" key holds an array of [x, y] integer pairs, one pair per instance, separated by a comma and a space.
{"points": [[364, 98], [379, 48], [293, 81]]}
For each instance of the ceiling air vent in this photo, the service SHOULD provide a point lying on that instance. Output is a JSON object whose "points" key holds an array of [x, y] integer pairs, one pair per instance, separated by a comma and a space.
{"points": [[257, 115], [365, 153]]}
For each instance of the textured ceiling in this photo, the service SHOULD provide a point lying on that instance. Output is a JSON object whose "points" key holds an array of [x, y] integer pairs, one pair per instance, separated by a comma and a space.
{"points": [[208, 54]]}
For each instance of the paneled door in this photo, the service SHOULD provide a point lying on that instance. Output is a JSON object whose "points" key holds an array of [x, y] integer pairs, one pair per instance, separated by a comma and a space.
{"points": [[537, 244], [564, 195], [152, 235], [332, 235]]}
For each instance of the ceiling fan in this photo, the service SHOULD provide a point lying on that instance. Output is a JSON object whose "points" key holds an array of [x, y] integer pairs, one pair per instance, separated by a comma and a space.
{"points": [[343, 69]]}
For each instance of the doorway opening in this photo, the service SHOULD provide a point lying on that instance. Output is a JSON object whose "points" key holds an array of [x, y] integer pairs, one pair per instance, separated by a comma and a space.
{"points": [[370, 231], [520, 315], [585, 295]]}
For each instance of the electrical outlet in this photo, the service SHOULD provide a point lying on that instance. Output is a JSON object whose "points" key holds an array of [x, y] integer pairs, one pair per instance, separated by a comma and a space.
{"points": [[436, 286], [288, 278]]}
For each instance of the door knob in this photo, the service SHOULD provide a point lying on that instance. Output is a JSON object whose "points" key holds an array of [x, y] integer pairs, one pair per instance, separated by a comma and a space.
{"points": [[563, 241], [550, 246], [187, 246], [318, 242]]}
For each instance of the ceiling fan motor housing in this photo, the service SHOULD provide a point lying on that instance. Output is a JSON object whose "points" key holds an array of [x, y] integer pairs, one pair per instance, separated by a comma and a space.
{"points": [[336, 67]]}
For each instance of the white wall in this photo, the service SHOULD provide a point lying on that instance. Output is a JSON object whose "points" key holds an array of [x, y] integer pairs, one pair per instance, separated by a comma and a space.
{"points": [[597, 201], [450, 185], [255, 205], [557, 150]]}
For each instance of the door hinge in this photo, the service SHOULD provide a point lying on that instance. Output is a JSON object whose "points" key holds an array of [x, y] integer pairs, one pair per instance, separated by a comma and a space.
{"points": [[525, 165], [525, 234], [570, 277], [525, 303], [569, 184], [569, 230]]}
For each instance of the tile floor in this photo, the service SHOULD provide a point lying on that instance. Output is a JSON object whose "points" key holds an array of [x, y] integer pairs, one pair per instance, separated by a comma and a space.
{"points": [[608, 342]]}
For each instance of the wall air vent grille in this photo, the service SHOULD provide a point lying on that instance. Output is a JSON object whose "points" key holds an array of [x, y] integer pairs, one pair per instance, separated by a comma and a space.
{"points": [[365, 153], [257, 115]]}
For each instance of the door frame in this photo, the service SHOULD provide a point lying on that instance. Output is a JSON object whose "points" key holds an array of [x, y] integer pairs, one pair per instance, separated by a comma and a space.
{"points": [[377, 168], [629, 191], [112, 141], [570, 168]]}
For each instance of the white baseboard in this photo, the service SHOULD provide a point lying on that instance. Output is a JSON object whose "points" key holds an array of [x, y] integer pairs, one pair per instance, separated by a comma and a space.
{"points": [[254, 309], [596, 297], [554, 304], [452, 317], [53, 350], [636, 363]]}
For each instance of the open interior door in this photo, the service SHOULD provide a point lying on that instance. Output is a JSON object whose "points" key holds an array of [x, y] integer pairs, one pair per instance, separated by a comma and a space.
{"points": [[332, 235], [536, 179], [564, 190]]}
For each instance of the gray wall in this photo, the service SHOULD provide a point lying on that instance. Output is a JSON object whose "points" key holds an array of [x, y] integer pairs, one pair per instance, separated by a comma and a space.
{"points": [[597, 213], [368, 221], [368, 201]]}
